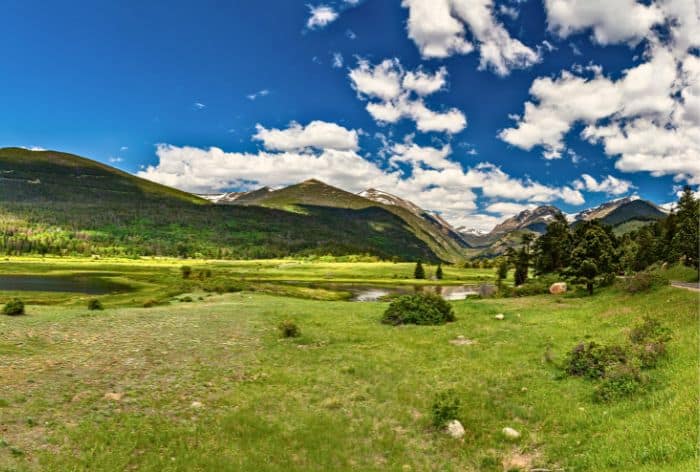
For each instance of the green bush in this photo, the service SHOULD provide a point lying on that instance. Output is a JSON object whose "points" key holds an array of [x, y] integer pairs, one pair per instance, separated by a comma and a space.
{"points": [[649, 342], [186, 271], [186, 299], [592, 360], [289, 329], [622, 380], [150, 303], [94, 304], [14, 308], [419, 309], [445, 408], [643, 282]]}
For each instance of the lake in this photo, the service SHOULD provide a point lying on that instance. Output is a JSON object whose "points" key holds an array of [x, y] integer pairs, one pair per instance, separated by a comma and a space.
{"points": [[88, 284], [372, 293]]}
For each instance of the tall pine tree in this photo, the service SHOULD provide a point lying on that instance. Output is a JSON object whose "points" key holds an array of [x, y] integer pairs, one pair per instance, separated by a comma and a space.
{"points": [[685, 242]]}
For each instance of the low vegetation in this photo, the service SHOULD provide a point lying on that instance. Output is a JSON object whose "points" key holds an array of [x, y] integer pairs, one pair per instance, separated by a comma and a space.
{"points": [[13, 307], [209, 386], [419, 309], [94, 304], [289, 329]]}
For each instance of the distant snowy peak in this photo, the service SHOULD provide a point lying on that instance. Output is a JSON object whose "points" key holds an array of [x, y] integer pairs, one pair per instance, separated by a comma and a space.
{"points": [[618, 211], [386, 198], [536, 220], [472, 231], [230, 198]]}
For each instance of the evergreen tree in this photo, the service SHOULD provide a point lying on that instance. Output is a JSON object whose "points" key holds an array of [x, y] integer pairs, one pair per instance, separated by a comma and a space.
{"points": [[552, 250], [685, 242], [438, 272], [501, 271], [522, 260], [419, 272], [593, 255]]}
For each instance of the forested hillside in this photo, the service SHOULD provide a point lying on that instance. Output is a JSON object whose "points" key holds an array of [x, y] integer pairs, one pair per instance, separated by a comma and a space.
{"points": [[57, 203]]}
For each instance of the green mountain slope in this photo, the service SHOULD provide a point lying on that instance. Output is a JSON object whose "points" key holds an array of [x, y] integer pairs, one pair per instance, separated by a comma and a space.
{"points": [[314, 193], [58, 203]]}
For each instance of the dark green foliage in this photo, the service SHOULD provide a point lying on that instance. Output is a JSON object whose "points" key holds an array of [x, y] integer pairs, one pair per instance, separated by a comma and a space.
{"points": [[94, 304], [593, 255], [150, 303], [289, 329], [643, 282], [522, 260], [622, 380], [13, 308], [186, 271], [187, 299], [617, 367], [552, 251], [445, 408], [438, 272], [419, 272], [686, 242], [501, 271], [592, 360], [649, 341], [419, 309]]}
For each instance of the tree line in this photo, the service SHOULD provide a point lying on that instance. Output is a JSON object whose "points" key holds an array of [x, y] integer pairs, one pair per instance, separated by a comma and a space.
{"points": [[590, 253]]}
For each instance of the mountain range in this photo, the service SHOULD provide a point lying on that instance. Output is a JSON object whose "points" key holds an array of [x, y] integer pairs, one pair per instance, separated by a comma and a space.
{"points": [[52, 202]]}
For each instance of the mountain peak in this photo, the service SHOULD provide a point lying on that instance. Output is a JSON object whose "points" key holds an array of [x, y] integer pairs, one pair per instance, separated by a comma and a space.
{"points": [[535, 219]]}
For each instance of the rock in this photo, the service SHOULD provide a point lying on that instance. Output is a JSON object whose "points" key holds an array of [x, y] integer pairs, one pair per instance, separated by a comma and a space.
{"points": [[114, 396], [196, 404], [510, 433], [558, 287], [500, 316], [455, 429]]}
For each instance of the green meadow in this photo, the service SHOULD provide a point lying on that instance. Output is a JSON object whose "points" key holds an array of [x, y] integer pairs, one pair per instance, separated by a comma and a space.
{"points": [[209, 384]]}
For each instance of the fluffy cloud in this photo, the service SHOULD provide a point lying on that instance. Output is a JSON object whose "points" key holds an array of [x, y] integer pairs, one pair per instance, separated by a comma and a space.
{"points": [[647, 119], [604, 18], [506, 209], [393, 94], [439, 29], [317, 134], [320, 16], [610, 185], [423, 174]]}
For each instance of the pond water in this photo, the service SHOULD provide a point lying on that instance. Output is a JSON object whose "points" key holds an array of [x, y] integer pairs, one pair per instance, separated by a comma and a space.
{"points": [[372, 293], [88, 284]]}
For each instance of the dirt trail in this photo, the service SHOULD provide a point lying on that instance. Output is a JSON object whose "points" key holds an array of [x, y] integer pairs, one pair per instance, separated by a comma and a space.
{"points": [[694, 286]]}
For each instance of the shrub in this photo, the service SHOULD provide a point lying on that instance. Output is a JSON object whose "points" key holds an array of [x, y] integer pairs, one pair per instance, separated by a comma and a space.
{"points": [[445, 408], [186, 271], [620, 381], [649, 342], [150, 303], [186, 299], [643, 281], [94, 304], [592, 360], [14, 308], [289, 329], [419, 309]]}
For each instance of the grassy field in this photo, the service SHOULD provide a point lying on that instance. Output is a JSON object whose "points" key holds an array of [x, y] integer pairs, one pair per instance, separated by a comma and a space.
{"points": [[160, 278], [209, 385]]}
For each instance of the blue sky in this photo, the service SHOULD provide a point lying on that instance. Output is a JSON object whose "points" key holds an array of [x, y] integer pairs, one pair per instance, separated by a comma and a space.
{"points": [[422, 98]]}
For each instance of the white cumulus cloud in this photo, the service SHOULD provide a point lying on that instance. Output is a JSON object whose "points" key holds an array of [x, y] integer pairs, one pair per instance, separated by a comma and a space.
{"points": [[320, 16], [440, 29], [317, 134]]}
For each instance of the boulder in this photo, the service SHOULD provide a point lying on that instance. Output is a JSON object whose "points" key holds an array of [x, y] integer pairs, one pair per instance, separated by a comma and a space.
{"points": [[558, 287], [500, 316], [455, 429], [510, 433]]}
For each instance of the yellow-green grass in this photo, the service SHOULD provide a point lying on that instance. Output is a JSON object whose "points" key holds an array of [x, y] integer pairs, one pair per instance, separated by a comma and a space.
{"points": [[349, 394], [160, 278]]}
